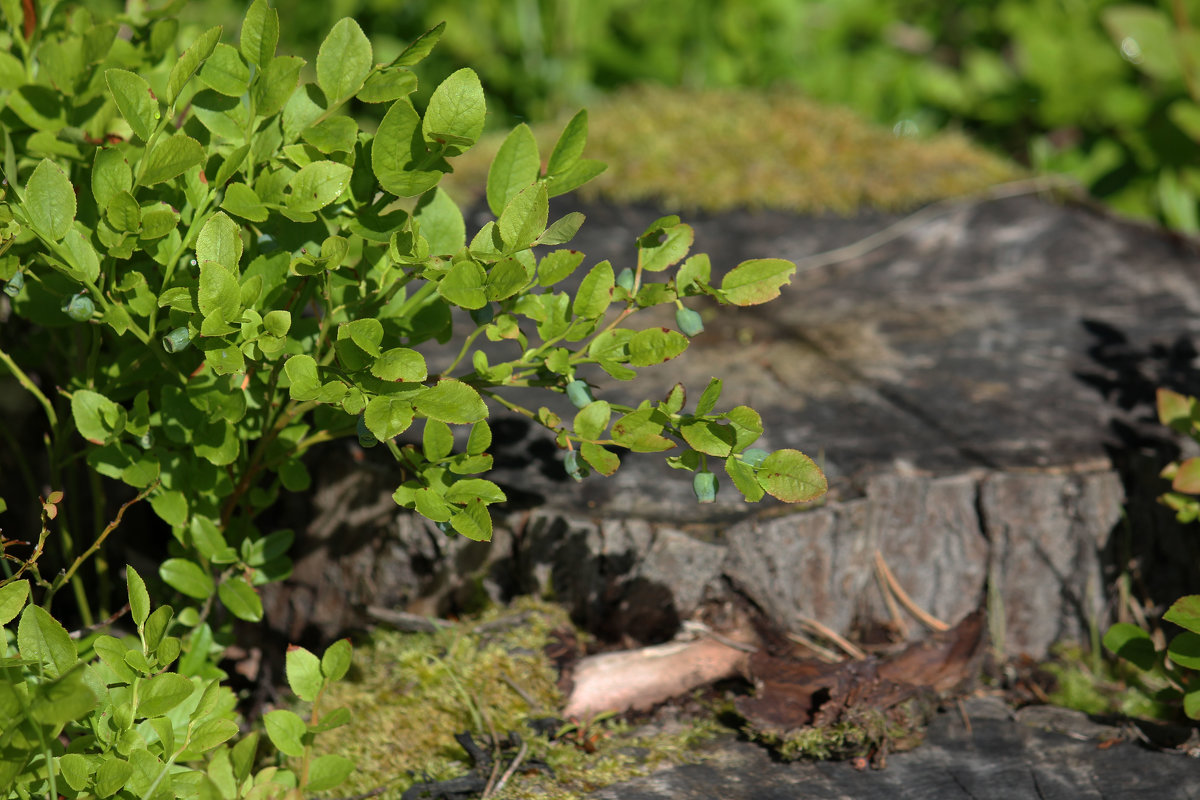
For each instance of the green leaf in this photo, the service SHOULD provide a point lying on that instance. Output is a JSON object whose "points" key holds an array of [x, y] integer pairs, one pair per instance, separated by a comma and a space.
{"points": [[655, 346], [709, 437], [218, 291], [1151, 32], [328, 771], [241, 599], [1191, 704], [756, 281], [456, 110], [170, 506], [187, 577], [1184, 650], [303, 673], [135, 100], [505, 278], [139, 598], [744, 479], [441, 223], [260, 33], [591, 421], [400, 364], [569, 149], [84, 262], [240, 199], [557, 266], [449, 401], [366, 333], [97, 418], [124, 213], [524, 218], [387, 85], [437, 441], [562, 230], [1132, 644], [420, 47], [67, 699], [598, 458], [1185, 612], [388, 417], [697, 268], [220, 240], [640, 431], [111, 175], [747, 425], [113, 774], [463, 285], [317, 185], [791, 476], [190, 61], [160, 694], [50, 200], [709, 397], [74, 769], [473, 521], [655, 255], [225, 72], [41, 638], [286, 731], [277, 84], [171, 158], [343, 61], [334, 135], [1187, 477], [514, 168], [211, 733], [575, 177], [392, 156], [336, 660], [13, 597]]}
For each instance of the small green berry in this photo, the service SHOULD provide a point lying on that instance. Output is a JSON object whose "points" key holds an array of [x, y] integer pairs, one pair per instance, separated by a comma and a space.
{"points": [[704, 484], [13, 287], [573, 466], [177, 340], [689, 321], [579, 393], [79, 308], [754, 457], [625, 279], [365, 437]]}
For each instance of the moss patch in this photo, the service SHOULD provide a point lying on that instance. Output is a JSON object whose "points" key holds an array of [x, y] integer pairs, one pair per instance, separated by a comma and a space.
{"points": [[408, 694], [717, 150]]}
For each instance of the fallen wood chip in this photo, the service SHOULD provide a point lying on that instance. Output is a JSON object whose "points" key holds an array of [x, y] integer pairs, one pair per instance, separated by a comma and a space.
{"points": [[640, 679]]}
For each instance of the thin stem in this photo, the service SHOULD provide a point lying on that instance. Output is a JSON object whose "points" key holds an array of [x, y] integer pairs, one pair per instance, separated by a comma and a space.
{"points": [[463, 352], [30, 387], [112, 526]]}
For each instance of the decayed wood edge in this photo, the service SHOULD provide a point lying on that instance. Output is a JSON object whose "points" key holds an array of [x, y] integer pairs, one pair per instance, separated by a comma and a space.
{"points": [[638, 680]]}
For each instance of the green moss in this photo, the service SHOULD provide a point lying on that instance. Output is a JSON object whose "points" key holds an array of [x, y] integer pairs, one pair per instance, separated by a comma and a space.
{"points": [[716, 150], [408, 695], [857, 732]]}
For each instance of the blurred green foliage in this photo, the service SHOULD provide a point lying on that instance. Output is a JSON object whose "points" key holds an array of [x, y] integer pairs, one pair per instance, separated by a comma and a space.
{"points": [[1098, 89]]}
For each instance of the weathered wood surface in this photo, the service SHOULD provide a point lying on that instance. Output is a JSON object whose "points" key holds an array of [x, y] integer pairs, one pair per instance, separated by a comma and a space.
{"points": [[977, 391], [1040, 754]]}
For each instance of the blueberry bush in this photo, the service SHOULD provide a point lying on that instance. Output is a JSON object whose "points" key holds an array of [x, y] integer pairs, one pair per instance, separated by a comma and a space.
{"points": [[210, 268]]}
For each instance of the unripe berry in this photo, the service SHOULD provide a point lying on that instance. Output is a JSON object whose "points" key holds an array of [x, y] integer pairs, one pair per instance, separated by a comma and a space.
{"points": [[689, 321]]}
